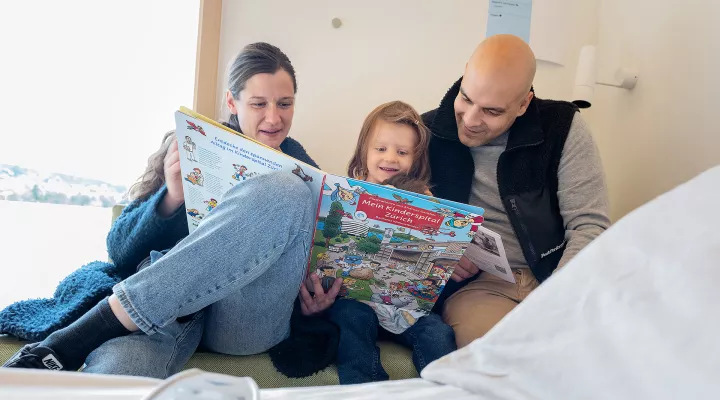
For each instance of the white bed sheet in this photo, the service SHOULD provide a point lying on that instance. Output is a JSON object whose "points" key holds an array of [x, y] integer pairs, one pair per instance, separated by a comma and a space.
{"points": [[49, 385], [633, 316], [409, 389]]}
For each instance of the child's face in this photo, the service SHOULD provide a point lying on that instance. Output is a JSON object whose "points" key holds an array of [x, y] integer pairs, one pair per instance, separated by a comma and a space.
{"points": [[390, 151]]}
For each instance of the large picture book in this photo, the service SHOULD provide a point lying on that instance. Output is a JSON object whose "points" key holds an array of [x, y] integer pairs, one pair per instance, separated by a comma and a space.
{"points": [[395, 250]]}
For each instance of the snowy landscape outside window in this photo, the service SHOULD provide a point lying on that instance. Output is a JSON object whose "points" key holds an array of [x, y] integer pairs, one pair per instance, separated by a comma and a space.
{"points": [[87, 90]]}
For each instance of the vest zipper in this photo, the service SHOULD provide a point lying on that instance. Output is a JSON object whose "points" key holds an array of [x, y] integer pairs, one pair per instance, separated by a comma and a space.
{"points": [[516, 211]]}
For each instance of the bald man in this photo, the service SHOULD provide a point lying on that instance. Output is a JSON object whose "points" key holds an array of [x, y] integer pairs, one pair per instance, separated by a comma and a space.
{"points": [[530, 163]]}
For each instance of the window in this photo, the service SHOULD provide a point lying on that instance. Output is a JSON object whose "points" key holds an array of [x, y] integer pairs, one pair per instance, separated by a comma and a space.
{"points": [[88, 90]]}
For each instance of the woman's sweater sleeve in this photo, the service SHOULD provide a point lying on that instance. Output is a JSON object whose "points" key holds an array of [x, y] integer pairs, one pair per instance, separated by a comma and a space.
{"points": [[140, 229]]}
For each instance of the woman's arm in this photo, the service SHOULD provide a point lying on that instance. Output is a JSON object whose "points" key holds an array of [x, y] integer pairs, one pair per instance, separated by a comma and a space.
{"points": [[142, 228]]}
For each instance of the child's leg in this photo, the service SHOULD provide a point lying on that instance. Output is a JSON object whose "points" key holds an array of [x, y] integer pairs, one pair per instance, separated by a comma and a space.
{"points": [[429, 338], [358, 358]]}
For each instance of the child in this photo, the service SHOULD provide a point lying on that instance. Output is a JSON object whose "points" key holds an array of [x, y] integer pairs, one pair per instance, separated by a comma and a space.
{"points": [[391, 149]]}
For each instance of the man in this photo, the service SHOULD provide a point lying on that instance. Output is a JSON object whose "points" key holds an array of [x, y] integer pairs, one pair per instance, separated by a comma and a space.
{"points": [[530, 163]]}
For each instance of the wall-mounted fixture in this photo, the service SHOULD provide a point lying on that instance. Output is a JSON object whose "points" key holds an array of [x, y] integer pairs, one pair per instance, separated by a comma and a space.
{"points": [[586, 78]]}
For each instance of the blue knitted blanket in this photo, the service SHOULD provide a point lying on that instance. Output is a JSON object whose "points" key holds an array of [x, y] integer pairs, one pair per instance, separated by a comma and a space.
{"points": [[35, 319]]}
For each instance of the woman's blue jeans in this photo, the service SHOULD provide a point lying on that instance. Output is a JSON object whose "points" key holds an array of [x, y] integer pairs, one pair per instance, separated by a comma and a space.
{"points": [[234, 280]]}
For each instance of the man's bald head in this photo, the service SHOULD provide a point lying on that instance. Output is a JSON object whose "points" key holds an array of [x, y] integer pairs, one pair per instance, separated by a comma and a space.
{"points": [[495, 89], [506, 58]]}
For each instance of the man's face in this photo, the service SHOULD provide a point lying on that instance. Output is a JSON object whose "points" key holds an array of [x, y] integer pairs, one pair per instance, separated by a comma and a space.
{"points": [[486, 107]]}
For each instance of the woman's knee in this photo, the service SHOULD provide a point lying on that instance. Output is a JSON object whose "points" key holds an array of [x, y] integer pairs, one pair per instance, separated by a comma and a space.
{"points": [[279, 194], [275, 187]]}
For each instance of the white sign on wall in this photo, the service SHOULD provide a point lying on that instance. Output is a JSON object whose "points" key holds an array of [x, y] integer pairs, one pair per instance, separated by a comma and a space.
{"points": [[541, 23], [509, 17]]}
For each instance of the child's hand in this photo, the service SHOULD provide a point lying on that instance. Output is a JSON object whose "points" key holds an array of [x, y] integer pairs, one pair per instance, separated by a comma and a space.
{"points": [[320, 301]]}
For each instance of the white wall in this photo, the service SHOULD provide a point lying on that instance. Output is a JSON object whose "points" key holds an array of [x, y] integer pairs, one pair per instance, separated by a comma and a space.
{"points": [[410, 50], [665, 131]]}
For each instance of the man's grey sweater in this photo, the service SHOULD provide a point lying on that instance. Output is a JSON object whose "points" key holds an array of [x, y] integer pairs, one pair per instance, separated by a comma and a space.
{"points": [[582, 193]]}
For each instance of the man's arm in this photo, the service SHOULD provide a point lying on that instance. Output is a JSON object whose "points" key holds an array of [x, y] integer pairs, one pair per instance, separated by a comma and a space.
{"points": [[582, 192]]}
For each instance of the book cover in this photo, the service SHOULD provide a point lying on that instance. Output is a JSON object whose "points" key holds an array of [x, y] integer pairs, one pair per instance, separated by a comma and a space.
{"points": [[394, 250]]}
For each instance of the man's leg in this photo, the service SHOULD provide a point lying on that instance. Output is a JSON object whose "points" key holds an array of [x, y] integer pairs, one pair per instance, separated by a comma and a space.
{"points": [[358, 356], [429, 338], [155, 356], [476, 308]]}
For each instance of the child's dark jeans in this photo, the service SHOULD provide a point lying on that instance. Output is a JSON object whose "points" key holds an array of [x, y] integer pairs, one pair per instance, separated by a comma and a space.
{"points": [[358, 357]]}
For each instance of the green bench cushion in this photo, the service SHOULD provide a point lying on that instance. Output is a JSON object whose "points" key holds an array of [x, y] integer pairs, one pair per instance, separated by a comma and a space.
{"points": [[395, 359]]}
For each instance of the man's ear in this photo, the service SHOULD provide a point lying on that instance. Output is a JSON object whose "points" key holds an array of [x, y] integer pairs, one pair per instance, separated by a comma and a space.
{"points": [[525, 103], [230, 101]]}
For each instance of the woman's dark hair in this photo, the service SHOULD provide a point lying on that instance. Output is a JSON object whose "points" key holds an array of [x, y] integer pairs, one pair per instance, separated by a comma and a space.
{"points": [[255, 58]]}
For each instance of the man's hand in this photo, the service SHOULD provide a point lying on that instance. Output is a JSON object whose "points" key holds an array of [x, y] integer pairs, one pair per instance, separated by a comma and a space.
{"points": [[321, 301], [464, 269]]}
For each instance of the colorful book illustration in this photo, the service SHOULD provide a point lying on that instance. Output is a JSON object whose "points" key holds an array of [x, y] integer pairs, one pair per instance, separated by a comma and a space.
{"points": [[395, 250]]}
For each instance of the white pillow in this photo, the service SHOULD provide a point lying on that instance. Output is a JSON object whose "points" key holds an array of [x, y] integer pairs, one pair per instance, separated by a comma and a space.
{"points": [[634, 316]]}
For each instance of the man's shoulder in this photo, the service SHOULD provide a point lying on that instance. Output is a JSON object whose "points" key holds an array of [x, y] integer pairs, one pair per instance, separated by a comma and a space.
{"points": [[428, 117], [555, 118], [555, 106]]}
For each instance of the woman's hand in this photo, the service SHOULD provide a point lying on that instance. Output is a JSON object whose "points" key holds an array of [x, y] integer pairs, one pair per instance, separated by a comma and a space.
{"points": [[321, 301], [174, 197]]}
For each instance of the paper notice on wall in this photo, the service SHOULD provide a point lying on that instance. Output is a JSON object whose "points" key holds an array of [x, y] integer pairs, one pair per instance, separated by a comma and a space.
{"points": [[488, 253], [509, 17]]}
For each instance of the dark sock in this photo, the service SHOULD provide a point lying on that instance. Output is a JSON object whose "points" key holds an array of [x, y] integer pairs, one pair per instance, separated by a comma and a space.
{"points": [[75, 342]]}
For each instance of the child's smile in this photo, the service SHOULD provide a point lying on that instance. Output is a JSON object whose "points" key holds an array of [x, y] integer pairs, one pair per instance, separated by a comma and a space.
{"points": [[391, 151]]}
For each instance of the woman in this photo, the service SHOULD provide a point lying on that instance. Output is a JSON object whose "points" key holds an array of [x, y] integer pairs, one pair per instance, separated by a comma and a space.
{"points": [[232, 283]]}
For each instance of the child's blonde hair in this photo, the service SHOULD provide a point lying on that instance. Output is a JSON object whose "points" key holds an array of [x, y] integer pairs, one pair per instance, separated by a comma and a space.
{"points": [[396, 112]]}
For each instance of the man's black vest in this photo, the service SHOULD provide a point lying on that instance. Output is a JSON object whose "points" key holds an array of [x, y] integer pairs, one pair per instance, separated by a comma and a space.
{"points": [[526, 174]]}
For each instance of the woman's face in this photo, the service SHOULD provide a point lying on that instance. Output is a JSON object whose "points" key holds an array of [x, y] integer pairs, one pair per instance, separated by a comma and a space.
{"points": [[265, 107]]}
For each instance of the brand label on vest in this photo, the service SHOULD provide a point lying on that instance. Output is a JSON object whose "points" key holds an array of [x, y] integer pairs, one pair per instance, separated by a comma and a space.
{"points": [[554, 249], [52, 363]]}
